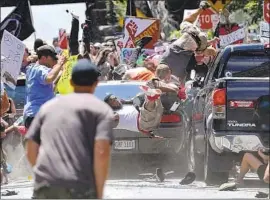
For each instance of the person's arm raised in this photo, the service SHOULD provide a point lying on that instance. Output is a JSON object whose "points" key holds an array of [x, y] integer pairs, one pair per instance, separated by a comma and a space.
{"points": [[53, 74]]}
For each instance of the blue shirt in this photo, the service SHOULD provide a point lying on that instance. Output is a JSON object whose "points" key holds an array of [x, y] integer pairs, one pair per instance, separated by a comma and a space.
{"points": [[38, 91]]}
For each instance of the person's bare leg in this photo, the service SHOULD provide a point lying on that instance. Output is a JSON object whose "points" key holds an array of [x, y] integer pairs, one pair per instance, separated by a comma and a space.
{"points": [[249, 161]]}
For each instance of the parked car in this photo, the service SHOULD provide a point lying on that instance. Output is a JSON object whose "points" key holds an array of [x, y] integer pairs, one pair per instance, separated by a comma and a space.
{"points": [[230, 114], [18, 95], [172, 126]]}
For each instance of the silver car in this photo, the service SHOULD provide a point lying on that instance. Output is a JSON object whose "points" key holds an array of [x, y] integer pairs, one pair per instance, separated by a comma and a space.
{"points": [[172, 126]]}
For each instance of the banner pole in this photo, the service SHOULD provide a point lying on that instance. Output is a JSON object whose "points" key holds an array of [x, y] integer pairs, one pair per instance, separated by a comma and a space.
{"points": [[31, 15]]}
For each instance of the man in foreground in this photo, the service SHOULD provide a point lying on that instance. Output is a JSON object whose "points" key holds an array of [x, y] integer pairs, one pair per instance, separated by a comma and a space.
{"points": [[69, 141]]}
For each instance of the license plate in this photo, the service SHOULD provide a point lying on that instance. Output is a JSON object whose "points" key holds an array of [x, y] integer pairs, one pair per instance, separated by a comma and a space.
{"points": [[124, 144]]}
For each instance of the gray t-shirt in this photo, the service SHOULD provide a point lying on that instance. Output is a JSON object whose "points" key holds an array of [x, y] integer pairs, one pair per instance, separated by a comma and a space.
{"points": [[66, 128]]}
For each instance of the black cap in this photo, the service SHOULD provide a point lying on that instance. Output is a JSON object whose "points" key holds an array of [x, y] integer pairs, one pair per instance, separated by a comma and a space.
{"points": [[47, 50], [85, 73]]}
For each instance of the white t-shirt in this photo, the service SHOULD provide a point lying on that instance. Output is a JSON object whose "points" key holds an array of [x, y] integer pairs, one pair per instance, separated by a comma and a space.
{"points": [[128, 118]]}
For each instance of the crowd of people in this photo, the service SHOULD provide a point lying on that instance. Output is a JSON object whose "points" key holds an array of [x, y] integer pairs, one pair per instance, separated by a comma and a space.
{"points": [[68, 165]]}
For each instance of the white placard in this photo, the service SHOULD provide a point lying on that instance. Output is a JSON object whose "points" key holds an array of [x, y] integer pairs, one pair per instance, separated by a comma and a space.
{"points": [[232, 37], [265, 30], [13, 50], [188, 12]]}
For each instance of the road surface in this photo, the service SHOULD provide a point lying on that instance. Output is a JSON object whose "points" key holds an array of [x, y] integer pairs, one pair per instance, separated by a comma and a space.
{"points": [[125, 182]]}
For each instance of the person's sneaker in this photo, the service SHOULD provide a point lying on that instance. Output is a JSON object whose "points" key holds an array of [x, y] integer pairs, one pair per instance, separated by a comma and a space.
{"points": [[261, 195], [189, 178], [228, 186], [160, 174], [152, 94]]}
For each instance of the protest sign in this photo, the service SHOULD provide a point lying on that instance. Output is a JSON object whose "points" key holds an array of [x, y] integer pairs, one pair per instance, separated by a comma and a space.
{"points": [[266, 11], [62, 39], [208, 19], [12, 49], [63, 85], [265, 32], [136, 28], [126, 54], [119, 45], [235, 36]]}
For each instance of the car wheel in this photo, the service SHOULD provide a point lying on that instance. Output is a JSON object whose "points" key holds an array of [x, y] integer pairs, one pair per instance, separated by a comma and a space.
{"points": [[195, 161], [213, 177]]}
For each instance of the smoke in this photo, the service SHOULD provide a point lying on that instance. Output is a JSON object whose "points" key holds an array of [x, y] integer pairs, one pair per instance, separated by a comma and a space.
{"points": [[13, 146]]}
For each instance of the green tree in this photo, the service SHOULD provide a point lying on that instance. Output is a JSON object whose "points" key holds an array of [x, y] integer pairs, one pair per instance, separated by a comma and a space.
{"points": [[253, 8]]}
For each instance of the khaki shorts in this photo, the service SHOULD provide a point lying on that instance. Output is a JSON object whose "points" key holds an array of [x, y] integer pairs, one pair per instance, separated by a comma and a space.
{"points": [[149, 120]]}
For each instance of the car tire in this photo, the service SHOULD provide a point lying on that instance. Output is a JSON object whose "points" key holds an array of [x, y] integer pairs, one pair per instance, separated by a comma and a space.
{"points": [[194, 160], [213, 177]]}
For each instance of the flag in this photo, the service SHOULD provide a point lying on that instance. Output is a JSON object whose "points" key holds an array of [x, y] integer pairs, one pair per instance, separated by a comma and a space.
{"points": [[19, 21], [131, 8]]}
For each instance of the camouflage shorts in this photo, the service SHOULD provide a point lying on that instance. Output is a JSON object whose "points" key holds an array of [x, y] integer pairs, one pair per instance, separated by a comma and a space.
{"points": [[63, 193]]}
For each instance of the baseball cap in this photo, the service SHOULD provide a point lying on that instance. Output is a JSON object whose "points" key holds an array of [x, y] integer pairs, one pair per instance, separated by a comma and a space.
{"points": [[47, 50], [84, 73]]}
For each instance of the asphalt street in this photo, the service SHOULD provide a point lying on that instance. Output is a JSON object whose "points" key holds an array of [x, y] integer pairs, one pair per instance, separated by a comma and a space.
{"points": [[125, 181]]}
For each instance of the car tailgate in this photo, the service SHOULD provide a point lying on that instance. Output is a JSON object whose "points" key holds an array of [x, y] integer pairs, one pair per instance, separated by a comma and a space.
{"points": [[248, 104]]}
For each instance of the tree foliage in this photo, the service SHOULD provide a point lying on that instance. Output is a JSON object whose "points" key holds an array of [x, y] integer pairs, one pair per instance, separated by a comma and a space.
{"points": [[254, 8]]}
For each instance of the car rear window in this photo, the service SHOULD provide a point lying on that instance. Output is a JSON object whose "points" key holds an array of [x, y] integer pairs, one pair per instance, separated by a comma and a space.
{"points": [[122, 91], [247, 62]]}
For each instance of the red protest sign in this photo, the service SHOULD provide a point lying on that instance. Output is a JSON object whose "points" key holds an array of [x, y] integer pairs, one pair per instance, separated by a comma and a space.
{"points": [[62, 39], [205, 19], [266, 10]]}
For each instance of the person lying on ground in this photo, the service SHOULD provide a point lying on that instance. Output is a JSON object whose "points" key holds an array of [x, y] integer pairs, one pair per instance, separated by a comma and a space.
{"points": [[249, 162]]}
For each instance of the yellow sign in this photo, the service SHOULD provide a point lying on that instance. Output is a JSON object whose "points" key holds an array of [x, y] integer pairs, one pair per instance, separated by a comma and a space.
{"points": [[219, 4], [63, 85]]}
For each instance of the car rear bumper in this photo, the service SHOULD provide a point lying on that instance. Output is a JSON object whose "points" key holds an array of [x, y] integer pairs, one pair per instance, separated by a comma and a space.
{"points": [[238, 141], [138, 143]]}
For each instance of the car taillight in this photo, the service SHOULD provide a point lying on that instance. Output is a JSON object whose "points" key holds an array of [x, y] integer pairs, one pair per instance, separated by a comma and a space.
{"points": [[219, 103], [170, 119], [219, 97], [267, 46]]}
